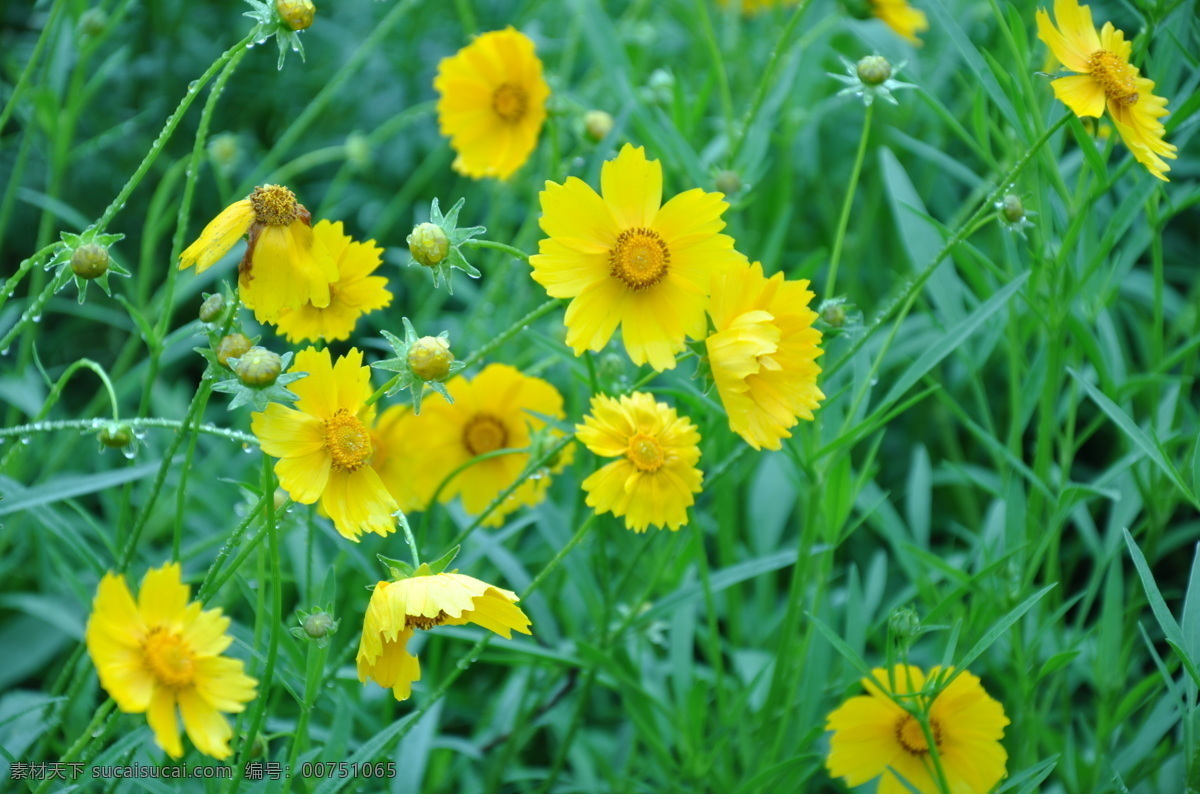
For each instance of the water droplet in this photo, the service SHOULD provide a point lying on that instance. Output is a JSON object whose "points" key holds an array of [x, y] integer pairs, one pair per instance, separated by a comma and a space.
{"points": [[192, 86], [25, 439], [139, 434], [129, 451], [37, 318], [4, 352], [250, 46], [247, 448]]}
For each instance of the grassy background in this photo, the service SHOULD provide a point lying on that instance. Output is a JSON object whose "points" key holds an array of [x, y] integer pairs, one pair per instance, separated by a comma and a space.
{"points": [[1009, 443]]}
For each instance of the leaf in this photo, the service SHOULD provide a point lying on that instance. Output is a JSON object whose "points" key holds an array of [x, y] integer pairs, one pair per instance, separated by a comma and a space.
{"points": [[1001, 626], [1162, 613], [66, 487]]}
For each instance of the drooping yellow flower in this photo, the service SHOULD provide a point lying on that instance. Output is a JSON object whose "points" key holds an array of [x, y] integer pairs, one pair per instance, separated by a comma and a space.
{"points": [[902, 18], [492, 103], [324, 444], [628, 259], [763, 353], [161, 653], [355, 293], [423, 601], [1106, 79], [873, 732], [284, 266], [654, 475]]}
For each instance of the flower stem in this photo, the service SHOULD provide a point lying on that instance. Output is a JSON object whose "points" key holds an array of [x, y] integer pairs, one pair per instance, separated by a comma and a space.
{"points": [[408, 538], [768, 77], [35, 428], [508, 249], [718, 64], [835, 257]]}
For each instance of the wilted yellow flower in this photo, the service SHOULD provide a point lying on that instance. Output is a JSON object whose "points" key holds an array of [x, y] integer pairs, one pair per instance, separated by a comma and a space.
{"points": [[874, 736], [355, 292], [1106, 78], [763, 353], [492, 103], [628, 259], [654, 475], [902, 18], [423, 601], [162, 653], [325, 447], [284, 265]]}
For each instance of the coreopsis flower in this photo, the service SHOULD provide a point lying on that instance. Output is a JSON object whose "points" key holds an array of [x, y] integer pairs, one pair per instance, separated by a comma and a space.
{"points": [[421, 601], [324, 444], [161, 655], [902, 18], [1106, 79], [284, 265], [399, 458], [492, 103], [654, 474], [355, 292], [628, 259], [763, 353], [880, 736]]}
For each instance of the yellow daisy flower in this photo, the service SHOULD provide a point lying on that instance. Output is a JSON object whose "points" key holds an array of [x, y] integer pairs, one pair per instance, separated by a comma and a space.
{"points": [[874, 735], [324, 444], [284, 266], [763, 353], [654, 476], [161, 653], [492, 103], [1106, 79], [423, 601], [902, 18], [629, 260], [355, 293], [400, 460]]}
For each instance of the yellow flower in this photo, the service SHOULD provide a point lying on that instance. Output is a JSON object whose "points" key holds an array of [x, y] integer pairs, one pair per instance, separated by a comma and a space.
{"points": [[161, 653], [325, 447], [627, 260], [873, 732], [423, 601], [492, 102], [355, 292], [654, 476], [902, 18], [1106, 78], [399, 458], [284, 266], [763, 353]]}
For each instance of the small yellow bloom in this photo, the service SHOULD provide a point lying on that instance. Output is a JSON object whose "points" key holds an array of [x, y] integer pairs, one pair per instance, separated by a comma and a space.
{"points": [[763, 353], [284, 266], [1106, 79], [423, 601], [874, 735], [654, 475], [902, 18], [355, 292], [628, 259], [492, 103], [324, 444], [161, 653]]}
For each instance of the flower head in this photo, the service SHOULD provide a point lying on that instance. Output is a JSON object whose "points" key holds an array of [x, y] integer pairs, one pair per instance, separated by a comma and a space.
{"points": [[283, 19], [1105, 79], [873, 77], [260, 380], [492, 103], [324, 444], [1013, 215], [763, 353], [420, 362], [160, 654], [653, 476], [88, 257], [628, 259], [437, 244]]}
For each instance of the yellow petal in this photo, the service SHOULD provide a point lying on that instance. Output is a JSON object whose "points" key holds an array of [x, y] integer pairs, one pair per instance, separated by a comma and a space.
{"points": [[207, 729], [219, 236], [162, 720], [1081, 93], [632, 187], [163, 597]]}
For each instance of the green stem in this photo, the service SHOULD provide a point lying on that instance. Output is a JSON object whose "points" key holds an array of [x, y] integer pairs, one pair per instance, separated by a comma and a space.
{"points": [[26, 265], [466, 16], [314, 667], [148, 422], [209, 586], [718, 64], [835, 257], [23, 80], [408, 538], [508, 249]]}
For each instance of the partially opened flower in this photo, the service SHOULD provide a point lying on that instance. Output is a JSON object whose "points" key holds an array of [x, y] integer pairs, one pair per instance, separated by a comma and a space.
{"points": [[492, 103], [1106, 79], [161, 656], [421, 601]]}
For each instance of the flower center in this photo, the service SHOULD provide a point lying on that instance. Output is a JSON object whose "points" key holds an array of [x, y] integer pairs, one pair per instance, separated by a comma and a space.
{"points": [[483, 434], [422, 622], [274, 205], [509, 102], [347, 441], [640, 259], [645, 452], [1114, 75], [169, 658], [912, 738]]}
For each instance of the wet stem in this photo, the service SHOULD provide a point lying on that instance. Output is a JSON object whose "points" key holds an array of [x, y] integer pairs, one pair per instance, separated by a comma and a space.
{"points": [[844, 221]]}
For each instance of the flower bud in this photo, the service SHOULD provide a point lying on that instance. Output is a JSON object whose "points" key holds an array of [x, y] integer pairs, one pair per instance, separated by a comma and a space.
{"points": [[210, 310], [904, 623], [224, 151], [89, 261], [834, 314], [358, 151], [728, 182], [232, 346], [428, 244], [115, 435], [1012, 208], [859, 9], [93, 22], [319, 624], [258, 367], [296, 14], [430, 358], [874, 70], [597, 124]]}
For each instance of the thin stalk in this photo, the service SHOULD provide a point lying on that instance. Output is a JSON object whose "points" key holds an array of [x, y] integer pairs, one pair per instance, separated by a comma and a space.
{"points": [[35, 428], [27, 72], [209, 586], [718, 64], [835, 257], [508, 249]]}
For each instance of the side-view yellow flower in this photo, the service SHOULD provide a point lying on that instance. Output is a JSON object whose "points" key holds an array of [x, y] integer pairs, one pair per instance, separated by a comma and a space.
{"points": [[324, 444], [160, 654], [874, 734], [628, 259], [423, 601], [1106, 79], [284, 266], [763, 353], [654, 474], [902, 18], [492, 103], [355, 293]]}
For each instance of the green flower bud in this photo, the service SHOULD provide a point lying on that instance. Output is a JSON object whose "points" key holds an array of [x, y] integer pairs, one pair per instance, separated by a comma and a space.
{"points": [[319, 624], [358, 151], [904, 623], [224, 150], [210, 310], [834, 314], [728, 182], [89, 261], [1013, 209], [430, 358], [597, 124], [115, 435], [296, 14], [258, 367], [232, 346], [874, 70], [93, 22], [428, 244]]}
